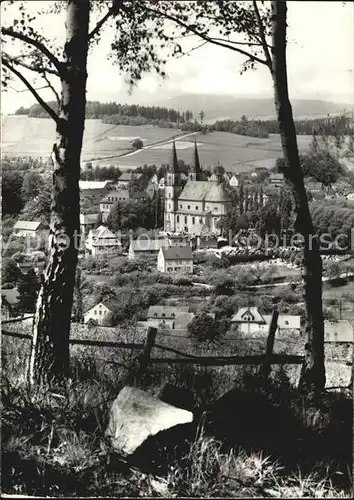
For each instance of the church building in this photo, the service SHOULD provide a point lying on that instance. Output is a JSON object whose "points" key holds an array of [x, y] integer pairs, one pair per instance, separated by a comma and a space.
{"points": [[196, 208]]}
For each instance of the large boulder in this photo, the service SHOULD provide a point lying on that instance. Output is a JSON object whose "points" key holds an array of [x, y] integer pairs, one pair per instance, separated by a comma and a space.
{"points": [[141, 426]]}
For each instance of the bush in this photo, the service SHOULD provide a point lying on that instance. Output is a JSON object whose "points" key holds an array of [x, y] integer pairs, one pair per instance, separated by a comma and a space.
{"points": [[137, 144]]}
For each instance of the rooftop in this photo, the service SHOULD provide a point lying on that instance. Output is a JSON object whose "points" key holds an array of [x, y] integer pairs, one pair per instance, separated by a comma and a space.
{"points": [[178, 253], [204, 190], [27, 225], [83, 185], [129, 176], [148, 245], [168, 312]]}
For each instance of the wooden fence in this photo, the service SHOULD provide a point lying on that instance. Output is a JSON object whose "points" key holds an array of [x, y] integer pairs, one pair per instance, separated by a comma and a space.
{"points": [[145, 359]]}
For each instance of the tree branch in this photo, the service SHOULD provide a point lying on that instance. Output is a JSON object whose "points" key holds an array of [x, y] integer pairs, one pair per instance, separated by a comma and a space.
{"points": [[263, 37], [44, 76], [44, 105], [35, 43], [206, 37], [42, 69], [192, 50], [114, 9], [249, 44]]}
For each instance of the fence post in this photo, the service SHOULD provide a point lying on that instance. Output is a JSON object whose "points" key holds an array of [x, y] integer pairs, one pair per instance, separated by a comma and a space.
{"points": [[270, 344], [144, 358]]}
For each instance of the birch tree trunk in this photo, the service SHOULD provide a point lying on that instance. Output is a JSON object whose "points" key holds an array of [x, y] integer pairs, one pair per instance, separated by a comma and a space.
{"points": [[49, 359], [313, 370]]}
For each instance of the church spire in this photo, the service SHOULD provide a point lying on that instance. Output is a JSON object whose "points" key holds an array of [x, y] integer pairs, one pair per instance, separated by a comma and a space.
{"points": [[197, 167], [174, 160], [196, 171]]}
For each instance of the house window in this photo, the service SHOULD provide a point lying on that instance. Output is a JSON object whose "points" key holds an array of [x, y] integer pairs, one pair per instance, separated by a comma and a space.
{"points": [[286, 322], [201, 220], [196, 207], [169, 269], [95, 312], [216, 209], [180, 206], [177, 218], [189, 207], [185, 219], [193, 220]]}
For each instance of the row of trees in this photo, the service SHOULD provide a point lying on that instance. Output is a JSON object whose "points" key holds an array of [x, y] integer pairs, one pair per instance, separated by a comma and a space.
{"points": [[251, 128], [330, 125], [90, 173], [97, 109]]}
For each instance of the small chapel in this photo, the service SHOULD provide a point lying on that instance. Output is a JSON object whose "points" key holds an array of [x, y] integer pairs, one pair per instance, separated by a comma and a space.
{"points": [[196, 208]]}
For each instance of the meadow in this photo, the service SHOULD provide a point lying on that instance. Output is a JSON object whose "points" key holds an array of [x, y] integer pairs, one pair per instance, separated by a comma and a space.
{"points": [[23, 136]]}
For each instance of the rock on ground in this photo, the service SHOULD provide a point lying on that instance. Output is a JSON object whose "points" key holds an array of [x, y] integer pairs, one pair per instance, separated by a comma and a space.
{"points": [[136, 416]]}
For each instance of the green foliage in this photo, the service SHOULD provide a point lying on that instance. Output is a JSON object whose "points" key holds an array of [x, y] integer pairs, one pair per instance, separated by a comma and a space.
{"points": [[98, 173], [252, 128], [39, 208], [10, 271], [202, 328], [334, 218], [132, 215], [28, 288], [32, 185], [137, 144], [11, 202]]}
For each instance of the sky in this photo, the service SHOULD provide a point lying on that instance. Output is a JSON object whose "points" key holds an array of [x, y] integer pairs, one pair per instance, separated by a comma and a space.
{"points": [[320, 57]]}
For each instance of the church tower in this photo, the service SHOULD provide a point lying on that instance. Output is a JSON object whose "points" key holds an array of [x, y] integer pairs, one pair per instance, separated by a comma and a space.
{"points": [[173, 188], [195, 173]]}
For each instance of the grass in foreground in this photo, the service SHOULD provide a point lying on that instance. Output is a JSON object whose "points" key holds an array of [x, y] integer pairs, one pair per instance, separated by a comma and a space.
{"points": [[53, 445]]}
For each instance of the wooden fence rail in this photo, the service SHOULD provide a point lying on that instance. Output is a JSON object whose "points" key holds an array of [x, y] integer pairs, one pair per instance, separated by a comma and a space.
{"points": [[144, 359], [254, 359]]}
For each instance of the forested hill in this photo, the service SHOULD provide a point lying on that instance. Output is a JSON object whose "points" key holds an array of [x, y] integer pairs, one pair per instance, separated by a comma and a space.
{"points": [[104, 110], [134, 114]]}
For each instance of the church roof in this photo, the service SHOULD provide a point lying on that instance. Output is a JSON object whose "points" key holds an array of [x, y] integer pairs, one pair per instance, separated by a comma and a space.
{"points": [[204, 190]]}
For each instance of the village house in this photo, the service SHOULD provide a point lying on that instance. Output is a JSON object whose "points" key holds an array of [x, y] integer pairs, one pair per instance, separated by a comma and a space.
{"points": [[87, 222], [338, 331], [276, 180], [143, 246], [101, 314], [175, 260], [102, 241], [94, 190], [212, 178], [110, 199], [234, 181], [127, 178], [314, 187], [249, 321], [173, 317], [24, 228]]}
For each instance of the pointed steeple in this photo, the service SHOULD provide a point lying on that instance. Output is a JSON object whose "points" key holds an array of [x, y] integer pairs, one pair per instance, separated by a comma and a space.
{"points": [[174, 160], [196, 163], [195, 173]]}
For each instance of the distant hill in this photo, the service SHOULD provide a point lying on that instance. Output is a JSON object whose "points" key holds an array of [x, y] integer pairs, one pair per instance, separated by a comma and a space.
{"points": [[227, 107]]}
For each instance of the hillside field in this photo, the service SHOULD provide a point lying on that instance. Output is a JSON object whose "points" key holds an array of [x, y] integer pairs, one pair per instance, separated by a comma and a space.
{"points": [[23, 136]]}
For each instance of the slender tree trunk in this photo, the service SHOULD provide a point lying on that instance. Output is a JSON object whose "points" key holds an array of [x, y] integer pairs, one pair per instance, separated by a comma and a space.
{"points": [[313, 370], [49, 361]]}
